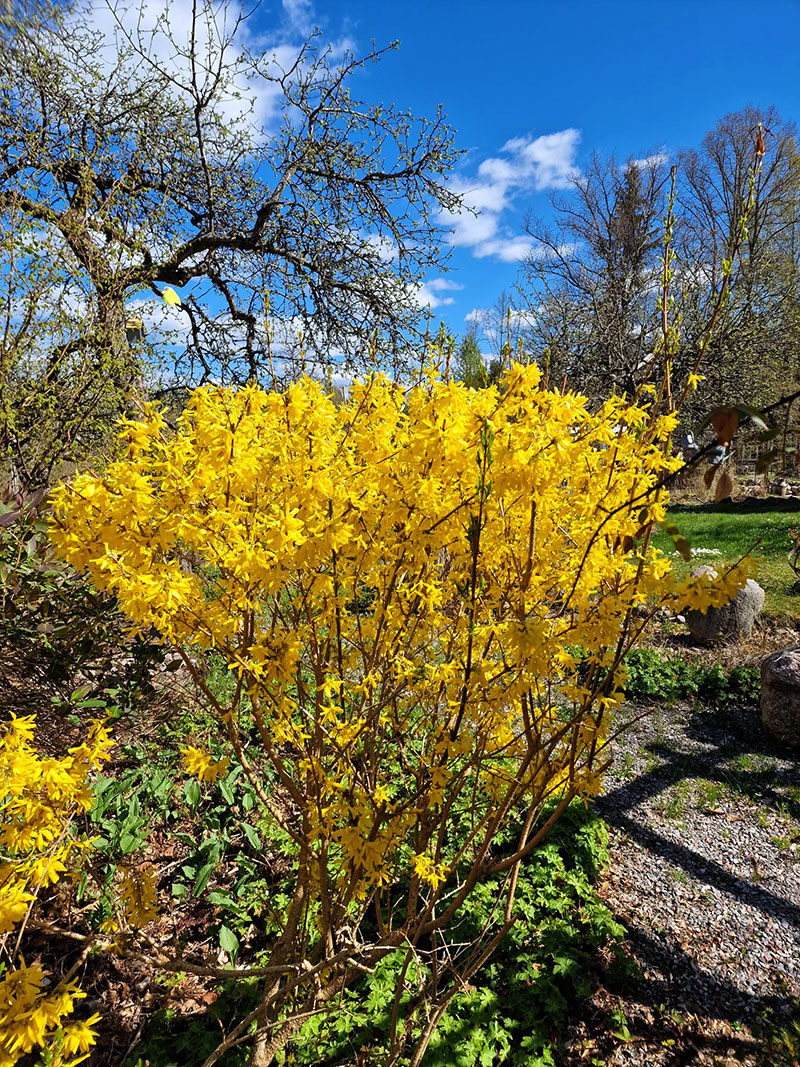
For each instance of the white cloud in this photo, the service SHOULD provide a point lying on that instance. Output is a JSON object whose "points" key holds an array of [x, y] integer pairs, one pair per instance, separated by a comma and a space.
{"points": [[429, 293], [507, 249], [468, 230], [658, 159], [546, 162], [161, 30], [526, 164], [300, 15]]}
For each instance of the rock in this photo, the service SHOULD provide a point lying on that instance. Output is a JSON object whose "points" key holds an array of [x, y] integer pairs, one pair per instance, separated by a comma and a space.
{"points": [[732, 620], [780, 696]]}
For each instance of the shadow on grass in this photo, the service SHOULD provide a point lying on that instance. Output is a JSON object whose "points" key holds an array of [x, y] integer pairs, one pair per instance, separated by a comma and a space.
{"points": [[739, 507]]}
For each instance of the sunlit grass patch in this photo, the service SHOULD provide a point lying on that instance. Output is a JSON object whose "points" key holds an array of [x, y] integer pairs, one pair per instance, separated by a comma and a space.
{"points": [[723, 533]]}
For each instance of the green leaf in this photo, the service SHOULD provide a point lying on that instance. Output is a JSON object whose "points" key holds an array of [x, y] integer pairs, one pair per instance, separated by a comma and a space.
{"points": [[222, 900], [129, 842], [753, 416], [192, 793], [229, 942], [252, 835], [205, 872]]}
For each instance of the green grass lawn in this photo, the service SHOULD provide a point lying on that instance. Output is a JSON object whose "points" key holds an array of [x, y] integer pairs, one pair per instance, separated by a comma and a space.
{"points": [[735, 529]]}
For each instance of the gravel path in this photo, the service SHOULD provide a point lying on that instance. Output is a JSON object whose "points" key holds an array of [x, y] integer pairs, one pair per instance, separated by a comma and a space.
{"points": [[705, 818]]}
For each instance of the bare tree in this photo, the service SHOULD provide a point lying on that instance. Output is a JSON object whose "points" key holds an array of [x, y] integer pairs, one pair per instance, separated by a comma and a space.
{"points": [[755, 351], [170, 153], [501, 331], [592, 279]]}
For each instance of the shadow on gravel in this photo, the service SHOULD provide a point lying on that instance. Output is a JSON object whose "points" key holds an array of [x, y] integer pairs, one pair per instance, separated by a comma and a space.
{"points": [[676, 980], [731, 739], [705, 870], [741, 758]]}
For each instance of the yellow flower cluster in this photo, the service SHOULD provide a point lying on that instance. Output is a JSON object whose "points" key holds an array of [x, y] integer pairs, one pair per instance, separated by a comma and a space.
{"points": [[32, 1018], [38, 799], [428, 871], [425, 592], [199, 763]]}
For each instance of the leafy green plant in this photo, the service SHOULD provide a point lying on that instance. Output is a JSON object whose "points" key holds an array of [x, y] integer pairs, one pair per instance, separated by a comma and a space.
{"points": [[211, 826], [653, 676], [519, 1000]]}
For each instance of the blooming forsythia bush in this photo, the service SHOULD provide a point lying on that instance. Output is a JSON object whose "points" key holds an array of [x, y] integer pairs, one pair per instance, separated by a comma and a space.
{"points": [[38, 798], [425, 596]]}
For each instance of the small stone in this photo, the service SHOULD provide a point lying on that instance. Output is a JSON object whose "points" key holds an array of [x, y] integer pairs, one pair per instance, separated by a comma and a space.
{"points": [[734, 619], [780, 696]]}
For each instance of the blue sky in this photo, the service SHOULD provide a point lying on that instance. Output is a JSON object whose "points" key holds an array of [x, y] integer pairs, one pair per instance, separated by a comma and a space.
{"points": [[556, 81]]}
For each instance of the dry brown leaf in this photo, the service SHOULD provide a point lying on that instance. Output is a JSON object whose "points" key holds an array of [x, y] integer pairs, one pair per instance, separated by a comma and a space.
{"points": [[725, 422], [724, 487], [708, 477]]}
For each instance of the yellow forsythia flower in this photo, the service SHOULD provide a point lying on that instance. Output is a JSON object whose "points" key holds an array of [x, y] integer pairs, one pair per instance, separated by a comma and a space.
{"points": [[428, 871], [199, 763], [38, 798], [79, 1036], [422, 591]]}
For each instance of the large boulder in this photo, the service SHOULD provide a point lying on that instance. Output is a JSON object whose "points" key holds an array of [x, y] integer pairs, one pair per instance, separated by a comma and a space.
{"points": [[780, 696], [734, 619]]}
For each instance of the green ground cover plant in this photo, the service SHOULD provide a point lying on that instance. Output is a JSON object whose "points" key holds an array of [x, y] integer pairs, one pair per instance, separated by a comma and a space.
{"points": [[655, 676], [514, 1009]]}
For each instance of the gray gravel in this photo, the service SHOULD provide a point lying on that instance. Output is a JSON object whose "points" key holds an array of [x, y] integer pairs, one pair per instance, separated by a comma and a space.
{"points": [[705, 818]]}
